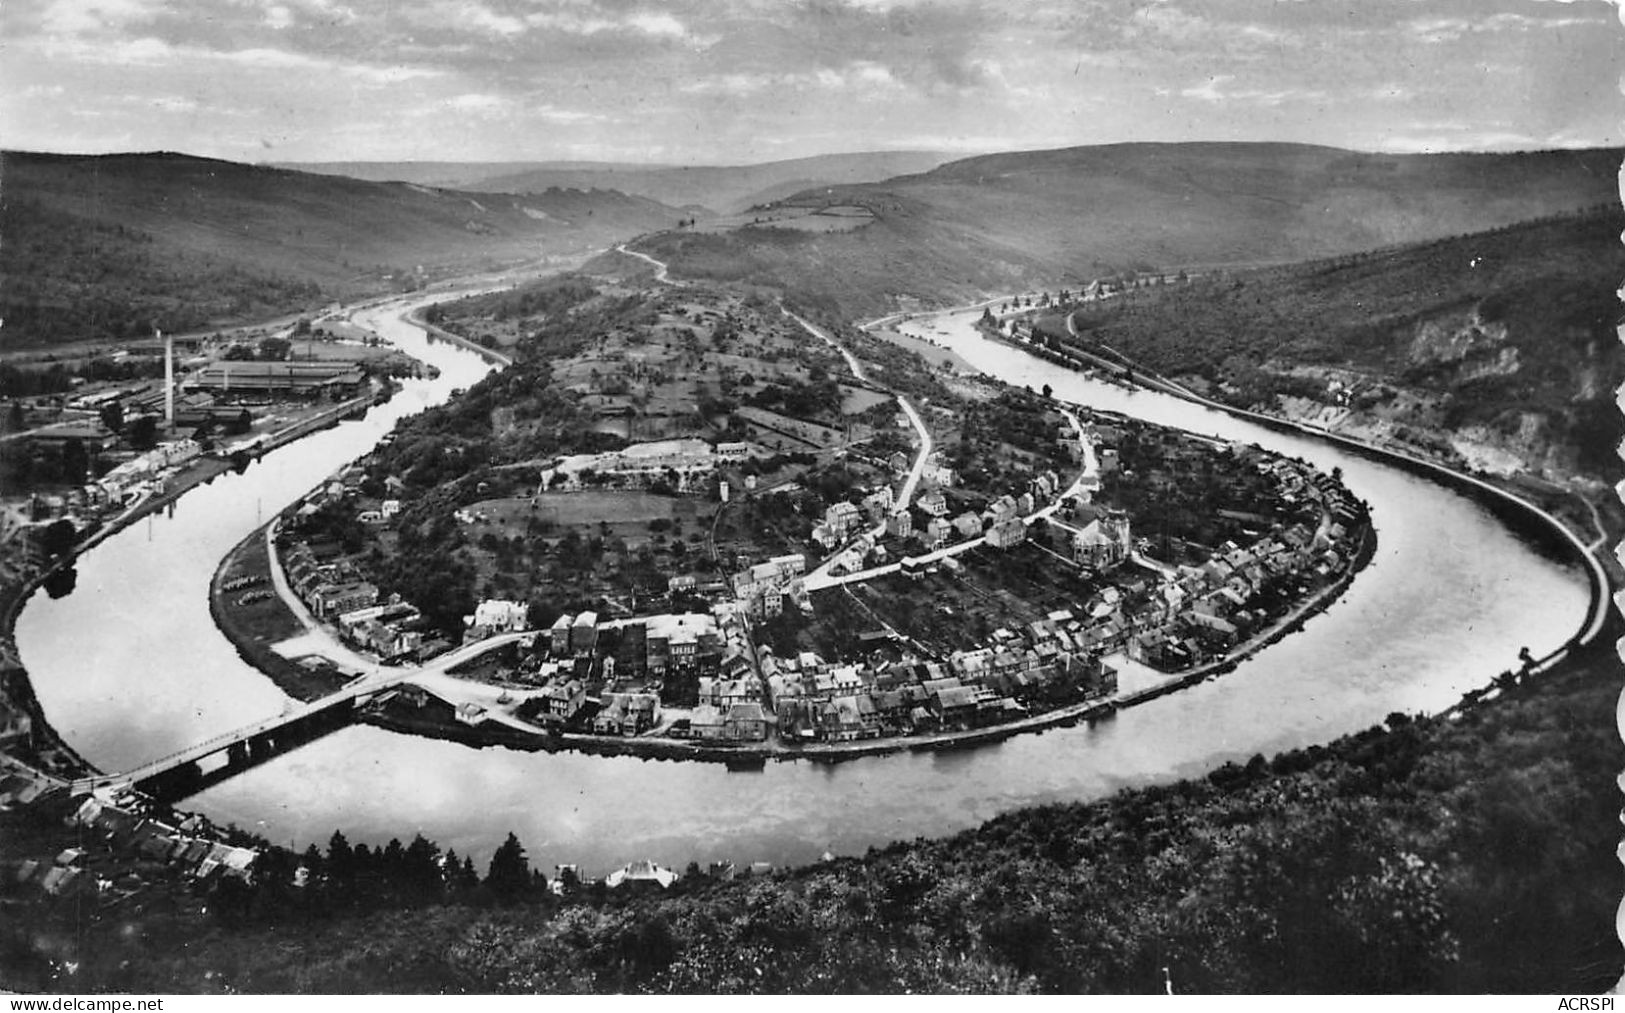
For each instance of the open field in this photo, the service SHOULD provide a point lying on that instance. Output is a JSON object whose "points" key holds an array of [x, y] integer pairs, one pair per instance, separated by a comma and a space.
{"points": [[835, 218], [587, 507]]}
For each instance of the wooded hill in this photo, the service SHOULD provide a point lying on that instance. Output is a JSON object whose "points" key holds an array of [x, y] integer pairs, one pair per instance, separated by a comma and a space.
{"points": [[1515, 325], [1001, 223], [109, 246]]}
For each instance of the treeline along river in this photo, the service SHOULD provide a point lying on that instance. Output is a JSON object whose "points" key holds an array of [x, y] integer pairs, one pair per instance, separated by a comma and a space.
{"points": [[130, 666]]}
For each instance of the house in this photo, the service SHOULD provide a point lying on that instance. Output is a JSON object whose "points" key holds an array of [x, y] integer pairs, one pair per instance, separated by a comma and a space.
{"points": [[745, 722], [957, 703], [936, 532], [706, 722], [841, 720], [968, 525], [1002, 508], [641, 875], [564, 700], [1104, 542], [932, 502], [841, 518], [559, 635], [584, 633], [328, 600], [900, 524], [792, 565], [627, 714], [496, 615], [878, 503], [1007, 532]]}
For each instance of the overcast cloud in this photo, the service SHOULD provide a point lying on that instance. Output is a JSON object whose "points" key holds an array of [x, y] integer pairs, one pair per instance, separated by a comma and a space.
{"points": [[732, 81]]}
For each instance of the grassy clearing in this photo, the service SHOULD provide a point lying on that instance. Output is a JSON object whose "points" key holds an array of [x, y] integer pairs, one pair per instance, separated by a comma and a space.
{"points": [[255, 627]]}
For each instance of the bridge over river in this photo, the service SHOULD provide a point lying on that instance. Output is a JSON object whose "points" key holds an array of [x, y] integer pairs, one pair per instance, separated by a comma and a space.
{"points": [[183, 772]]}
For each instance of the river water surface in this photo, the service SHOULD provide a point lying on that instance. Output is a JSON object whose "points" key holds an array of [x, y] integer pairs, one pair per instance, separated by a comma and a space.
{"points": [[130, 666]]}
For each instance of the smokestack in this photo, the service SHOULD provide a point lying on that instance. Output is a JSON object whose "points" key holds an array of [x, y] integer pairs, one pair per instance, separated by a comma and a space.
{"points": [[169, 380]]}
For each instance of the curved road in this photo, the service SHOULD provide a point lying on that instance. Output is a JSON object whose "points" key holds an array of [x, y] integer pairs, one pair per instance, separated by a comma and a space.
{"points": [[819, 577]]}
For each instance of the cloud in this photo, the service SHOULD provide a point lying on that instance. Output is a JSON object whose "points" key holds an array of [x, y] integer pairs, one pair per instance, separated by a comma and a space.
{"points": [[549, 114], [1434, 30], [657, 24], [173, 104], [653, 24], [486, 20], [1213, 90], [478, 103], [854, 76], [1463, 137], [148, 51], [76, 17]]}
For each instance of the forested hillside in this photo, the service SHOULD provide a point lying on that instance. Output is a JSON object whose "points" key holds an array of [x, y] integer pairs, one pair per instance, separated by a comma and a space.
{"points": [[1000, 223], [103, 247], [1513, 329]]}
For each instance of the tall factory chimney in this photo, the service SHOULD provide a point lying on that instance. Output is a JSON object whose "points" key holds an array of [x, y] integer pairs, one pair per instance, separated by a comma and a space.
{"points": [[169, 380]]}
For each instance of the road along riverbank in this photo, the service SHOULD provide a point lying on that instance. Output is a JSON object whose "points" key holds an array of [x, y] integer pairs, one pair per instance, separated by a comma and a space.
{"points": [[1538, 526]]}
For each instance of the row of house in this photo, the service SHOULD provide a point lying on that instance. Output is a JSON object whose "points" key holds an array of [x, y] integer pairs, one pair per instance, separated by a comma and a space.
{"points": [[131, 477], [392, 630], [816, 701], [685, 643], [686, 464], [761, 588], [81, 872], [328, 589]]}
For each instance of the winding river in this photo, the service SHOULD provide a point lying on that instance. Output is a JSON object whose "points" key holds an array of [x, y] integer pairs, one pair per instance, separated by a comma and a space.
{"points": [[130, 666]]}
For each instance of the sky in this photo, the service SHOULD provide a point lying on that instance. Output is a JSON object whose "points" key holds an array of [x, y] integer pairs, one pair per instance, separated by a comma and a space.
{"points": [[744, 81]]}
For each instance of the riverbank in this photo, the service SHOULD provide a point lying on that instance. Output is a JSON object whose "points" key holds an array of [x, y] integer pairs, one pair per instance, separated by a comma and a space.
{"points": [[1536, 526], [253, 637], [255, 627], [415, 318], [42, 749]]}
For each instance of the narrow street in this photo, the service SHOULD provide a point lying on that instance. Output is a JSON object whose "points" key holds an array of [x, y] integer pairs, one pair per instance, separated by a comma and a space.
{"points": [[819, 575]]}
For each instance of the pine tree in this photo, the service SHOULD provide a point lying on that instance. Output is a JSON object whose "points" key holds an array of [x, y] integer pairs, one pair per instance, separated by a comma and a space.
{"points": [[340, 859], [509, 876]]}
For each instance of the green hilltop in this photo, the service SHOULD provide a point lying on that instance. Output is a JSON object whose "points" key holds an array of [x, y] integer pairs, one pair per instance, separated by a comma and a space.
{"points": [[108, 246], [997, 223]]}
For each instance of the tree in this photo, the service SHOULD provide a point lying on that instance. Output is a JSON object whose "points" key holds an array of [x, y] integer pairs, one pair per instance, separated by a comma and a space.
{"points": [[340, 859], [509, 875], [274, 349], [143, 433], [75, 462], [58, 537], [112, 415], [1048, 391]]}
